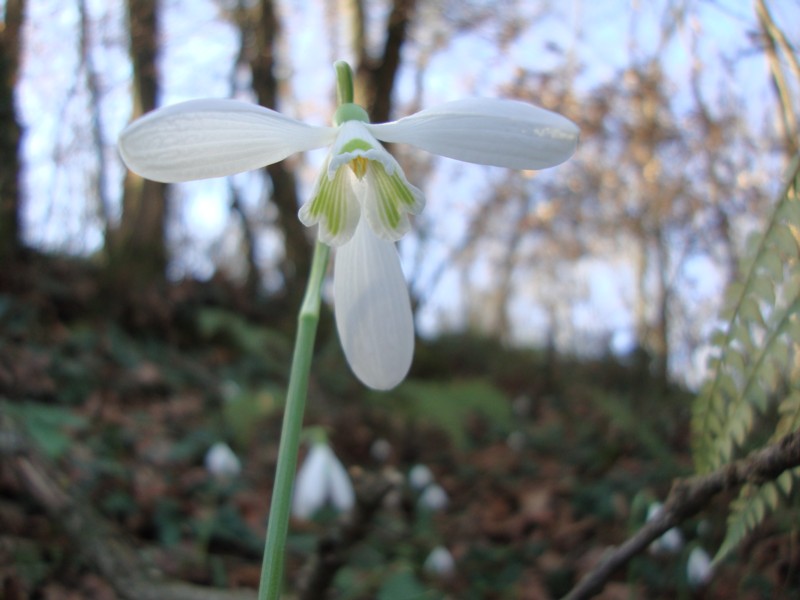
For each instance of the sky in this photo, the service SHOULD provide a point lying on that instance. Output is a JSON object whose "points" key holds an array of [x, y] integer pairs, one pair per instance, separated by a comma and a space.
{"points": [[199, 48]]}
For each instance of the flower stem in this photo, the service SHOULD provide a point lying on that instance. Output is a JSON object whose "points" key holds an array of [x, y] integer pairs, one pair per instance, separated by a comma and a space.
{"points": [[280, 508], [278, 526]]}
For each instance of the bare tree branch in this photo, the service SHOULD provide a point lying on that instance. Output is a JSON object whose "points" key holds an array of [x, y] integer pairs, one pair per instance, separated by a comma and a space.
{"points": [[774, 39], [687, 498]]}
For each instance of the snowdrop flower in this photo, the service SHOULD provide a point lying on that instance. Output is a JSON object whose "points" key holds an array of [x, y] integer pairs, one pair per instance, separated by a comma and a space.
{"points": [[671, 541], [440, 562], [419, 477], [362, 199], [322, 479], [698, 568], [221, 461], [434, 498]]}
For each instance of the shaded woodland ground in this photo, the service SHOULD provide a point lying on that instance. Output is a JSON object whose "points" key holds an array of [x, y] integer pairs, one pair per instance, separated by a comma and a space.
{"points": [[547, 460]]}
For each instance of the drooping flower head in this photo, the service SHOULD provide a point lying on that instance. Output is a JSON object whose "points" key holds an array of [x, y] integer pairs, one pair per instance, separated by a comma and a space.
{"points": [[362, 200], [321, 480]]}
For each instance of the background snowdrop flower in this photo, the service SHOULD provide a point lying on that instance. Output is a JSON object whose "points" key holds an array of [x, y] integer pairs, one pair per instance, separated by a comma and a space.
{"points": [[221, 461], [440, 562], [671, 541], [698, 567], [434, 498], [321, 480], [419, 477], [211, 138]]}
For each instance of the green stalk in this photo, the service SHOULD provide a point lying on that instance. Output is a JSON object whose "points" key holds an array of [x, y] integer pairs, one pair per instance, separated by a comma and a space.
{"points": [[278, 525]]}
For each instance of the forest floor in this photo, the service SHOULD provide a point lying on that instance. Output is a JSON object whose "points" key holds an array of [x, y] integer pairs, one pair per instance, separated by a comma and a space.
{"points": [[111, 400]]}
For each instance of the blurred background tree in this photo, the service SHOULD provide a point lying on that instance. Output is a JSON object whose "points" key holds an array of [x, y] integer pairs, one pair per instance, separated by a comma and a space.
{"points": [[10, 58], [137, 245]]}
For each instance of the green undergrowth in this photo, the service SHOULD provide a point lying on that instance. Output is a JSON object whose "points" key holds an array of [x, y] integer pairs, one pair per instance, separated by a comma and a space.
{"points": [[542, 456]]}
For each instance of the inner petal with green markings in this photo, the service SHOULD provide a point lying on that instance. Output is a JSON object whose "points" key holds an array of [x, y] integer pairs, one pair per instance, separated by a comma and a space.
{"points": [[374, 183]]}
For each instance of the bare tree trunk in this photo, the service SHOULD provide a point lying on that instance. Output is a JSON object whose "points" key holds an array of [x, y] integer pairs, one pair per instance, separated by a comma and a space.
{"points": [[265, 35], [375, 78], [659, 334], [138, 245], [10, 50], [93, 87]]}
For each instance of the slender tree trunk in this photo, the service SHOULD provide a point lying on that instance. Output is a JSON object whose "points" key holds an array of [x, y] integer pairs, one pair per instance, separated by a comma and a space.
{"points": [[10, 50], [659, 335], [375, 78], [138, 245], [297, 262], [95, 96]]}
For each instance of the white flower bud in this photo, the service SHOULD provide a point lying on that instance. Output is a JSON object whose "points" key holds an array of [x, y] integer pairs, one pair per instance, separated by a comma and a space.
{"points": [[434, 498], [419, 477], [440, 562], [698, 568], [671, 541], [322, 479], [221, 462]]}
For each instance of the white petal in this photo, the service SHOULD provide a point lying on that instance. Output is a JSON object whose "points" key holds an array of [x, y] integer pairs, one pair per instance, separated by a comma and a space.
{"points": [[699, 568], [334, 206], [340, 488], [388, 199], [212, 138], [373, 310], [221, 461], [419, 477], [503, 133], [310, 489], [440, 562], [434, 498]]}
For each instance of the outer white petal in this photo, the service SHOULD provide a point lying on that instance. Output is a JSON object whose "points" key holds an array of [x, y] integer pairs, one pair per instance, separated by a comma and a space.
{"points": [[221, 461], [373, 310], [434, 498], [440, 562], [504, 133], [419, 477], [340, 488], [310, 489], [699, 568], [212, 138]]}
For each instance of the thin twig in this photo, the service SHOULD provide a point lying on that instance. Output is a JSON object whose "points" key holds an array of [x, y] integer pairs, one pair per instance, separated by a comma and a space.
{"points": [[688, 497]]}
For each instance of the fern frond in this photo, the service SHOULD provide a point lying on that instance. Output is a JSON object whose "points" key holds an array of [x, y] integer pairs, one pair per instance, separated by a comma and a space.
{"points": [[761, 312], [752, 506], [789, 415]]}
